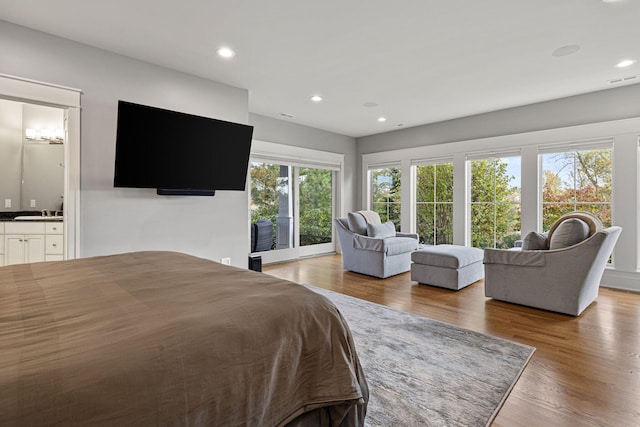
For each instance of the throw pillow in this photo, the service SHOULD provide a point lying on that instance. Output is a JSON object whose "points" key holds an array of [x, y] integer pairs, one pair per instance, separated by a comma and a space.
{"points": [[357, 223], [568, 233], [381, 231], [534, 242]]}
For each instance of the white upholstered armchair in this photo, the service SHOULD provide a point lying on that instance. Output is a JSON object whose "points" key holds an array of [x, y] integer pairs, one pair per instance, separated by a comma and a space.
{"points": [[372, 248], [558, 271]]}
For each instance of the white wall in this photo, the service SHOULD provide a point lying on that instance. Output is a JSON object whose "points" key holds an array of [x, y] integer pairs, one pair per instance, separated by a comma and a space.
{"points": [[120, 220]]}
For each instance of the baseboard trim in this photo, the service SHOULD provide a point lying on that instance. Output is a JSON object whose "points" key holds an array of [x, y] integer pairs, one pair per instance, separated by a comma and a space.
{"points": [[625, 280]]}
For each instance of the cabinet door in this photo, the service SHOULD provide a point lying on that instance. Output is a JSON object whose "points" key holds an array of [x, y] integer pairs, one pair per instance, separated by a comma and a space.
{"points": [[34, 251], [14, 252]]}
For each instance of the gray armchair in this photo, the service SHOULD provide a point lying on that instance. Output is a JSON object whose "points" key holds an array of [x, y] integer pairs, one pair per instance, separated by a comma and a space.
{"points": [[563, 275], [374, 249]]}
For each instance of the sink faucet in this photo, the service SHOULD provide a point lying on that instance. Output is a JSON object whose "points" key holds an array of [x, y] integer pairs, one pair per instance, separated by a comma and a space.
{"points": [[45, 212]]}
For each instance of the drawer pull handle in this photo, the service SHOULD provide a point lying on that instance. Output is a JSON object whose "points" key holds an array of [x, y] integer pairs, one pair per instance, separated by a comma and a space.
{"points": [[55, 244]]}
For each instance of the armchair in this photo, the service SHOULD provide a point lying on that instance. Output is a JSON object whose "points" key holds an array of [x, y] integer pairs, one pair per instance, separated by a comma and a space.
{"points": [[561, 274], [374, 249]]}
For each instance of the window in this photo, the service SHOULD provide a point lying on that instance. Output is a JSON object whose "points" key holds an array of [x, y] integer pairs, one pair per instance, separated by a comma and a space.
{"points": [[385, 197], [434, 203], [576, 180], [495, 202], [316, 205], [271, 199]]}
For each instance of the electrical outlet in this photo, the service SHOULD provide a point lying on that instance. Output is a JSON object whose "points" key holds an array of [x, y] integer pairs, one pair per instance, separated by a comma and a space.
{"points": [[225, 261], [7, 203], [33, 203]]}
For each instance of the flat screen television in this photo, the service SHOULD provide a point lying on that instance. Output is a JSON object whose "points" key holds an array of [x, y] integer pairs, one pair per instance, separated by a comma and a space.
{"points": [[179, 153]]}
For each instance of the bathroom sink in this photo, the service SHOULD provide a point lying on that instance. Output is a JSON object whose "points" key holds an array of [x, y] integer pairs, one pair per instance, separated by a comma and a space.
{"points": [[38, 218]]}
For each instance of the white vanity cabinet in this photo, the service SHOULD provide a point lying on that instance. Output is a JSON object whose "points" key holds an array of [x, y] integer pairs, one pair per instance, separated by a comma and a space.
{"points": [[34, 241], [23, 242], [54, 241]]}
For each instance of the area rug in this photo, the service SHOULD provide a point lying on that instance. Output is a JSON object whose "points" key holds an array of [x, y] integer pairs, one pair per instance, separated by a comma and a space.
{"points": [[422, 372]]}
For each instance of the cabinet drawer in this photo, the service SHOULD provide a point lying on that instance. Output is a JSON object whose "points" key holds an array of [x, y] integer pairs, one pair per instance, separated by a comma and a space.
{"points": [[24, 227], [53, 245], [54, 227], [1, 227]]}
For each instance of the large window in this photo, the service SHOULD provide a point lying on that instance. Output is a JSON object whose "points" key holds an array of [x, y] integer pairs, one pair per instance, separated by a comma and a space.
{"points": [[495, 202], [578, 180], [275, 192], [271, 200], [434, 203], [385, 197], [316, 207]]}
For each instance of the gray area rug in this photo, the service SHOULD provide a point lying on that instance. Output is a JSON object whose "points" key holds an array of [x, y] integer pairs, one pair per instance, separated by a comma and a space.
{"points": [[422, 372]]}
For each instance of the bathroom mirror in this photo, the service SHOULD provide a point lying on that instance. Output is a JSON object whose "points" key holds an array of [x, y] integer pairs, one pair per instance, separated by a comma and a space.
{"points": [[31, 157]]}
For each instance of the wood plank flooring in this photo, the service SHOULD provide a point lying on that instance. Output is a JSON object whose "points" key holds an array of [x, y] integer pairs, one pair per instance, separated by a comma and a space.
{"points": [[585, 371]]}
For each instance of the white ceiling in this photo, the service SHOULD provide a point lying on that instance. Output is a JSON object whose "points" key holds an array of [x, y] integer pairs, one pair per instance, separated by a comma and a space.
{"points": [[420, 61]]}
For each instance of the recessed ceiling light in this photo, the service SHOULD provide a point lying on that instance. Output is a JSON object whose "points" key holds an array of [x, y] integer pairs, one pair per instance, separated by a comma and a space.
{"points": [[226, 52], [625, 63], [316, 98], [382, 119]]}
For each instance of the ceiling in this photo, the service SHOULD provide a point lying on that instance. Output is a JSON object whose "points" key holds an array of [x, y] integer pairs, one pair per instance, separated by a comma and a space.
{"points": [[412, 61]]}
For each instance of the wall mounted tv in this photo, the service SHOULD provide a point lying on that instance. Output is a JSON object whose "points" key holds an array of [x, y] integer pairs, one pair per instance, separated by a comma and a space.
{"points": [[178, 153]]}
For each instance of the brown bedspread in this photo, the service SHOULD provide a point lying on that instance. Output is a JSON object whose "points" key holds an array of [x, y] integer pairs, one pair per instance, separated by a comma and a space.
{"points": [[162, 338]]}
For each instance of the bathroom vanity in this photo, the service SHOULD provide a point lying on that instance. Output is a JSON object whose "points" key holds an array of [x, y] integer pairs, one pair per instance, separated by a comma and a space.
{"points": [[31, 241]]}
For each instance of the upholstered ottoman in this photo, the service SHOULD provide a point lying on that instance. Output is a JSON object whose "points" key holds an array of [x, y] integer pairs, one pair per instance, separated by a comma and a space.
{"points": [[447, 266]]}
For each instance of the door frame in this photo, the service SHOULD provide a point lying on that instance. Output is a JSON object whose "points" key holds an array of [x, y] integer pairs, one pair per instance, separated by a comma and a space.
{"points": [[35, 92], [296, 157]]}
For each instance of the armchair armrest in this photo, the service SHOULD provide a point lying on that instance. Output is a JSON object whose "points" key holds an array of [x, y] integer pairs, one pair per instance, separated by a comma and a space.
{"points": [[368, 243], [515, 257], [412, 235]]}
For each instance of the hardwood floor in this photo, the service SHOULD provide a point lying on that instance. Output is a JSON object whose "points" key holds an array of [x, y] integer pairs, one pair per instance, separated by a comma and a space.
{"points": [[585, 371]]}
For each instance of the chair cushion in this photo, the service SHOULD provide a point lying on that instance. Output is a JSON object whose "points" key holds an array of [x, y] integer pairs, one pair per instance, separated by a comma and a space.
{"points": [[534, 241], [400, 245], [447, 256], [388, 229], [591, 220], [570, 232], [357, 223]]}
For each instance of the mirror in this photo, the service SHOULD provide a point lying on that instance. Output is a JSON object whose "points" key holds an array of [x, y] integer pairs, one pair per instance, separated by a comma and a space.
{"points": [[31, 157]]}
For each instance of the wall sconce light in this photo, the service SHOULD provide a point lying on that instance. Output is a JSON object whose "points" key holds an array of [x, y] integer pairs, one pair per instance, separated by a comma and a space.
{"points": [[53, 136]]}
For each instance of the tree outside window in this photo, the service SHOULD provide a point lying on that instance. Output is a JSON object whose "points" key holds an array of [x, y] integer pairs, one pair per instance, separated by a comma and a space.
{"points": [[385, 186], [316, 214], [434, 203], [495, 202], [578, 180]]}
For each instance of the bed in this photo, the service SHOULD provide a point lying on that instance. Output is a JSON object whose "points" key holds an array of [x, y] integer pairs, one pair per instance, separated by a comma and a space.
{"points": [[164, 338]]}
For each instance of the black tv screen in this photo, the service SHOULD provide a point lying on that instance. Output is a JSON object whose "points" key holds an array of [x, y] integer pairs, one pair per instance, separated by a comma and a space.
{"points": [[169, 150]]}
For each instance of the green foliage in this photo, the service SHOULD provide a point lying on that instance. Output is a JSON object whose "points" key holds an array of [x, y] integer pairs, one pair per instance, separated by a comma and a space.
{"points": [[264, 191], [315, 199], [495, 205], [386, 194], [315, 206], [577, 180], [434, 197]]}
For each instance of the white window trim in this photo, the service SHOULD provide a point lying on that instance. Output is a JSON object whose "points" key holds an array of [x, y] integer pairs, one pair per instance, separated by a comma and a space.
{"points": [[624, 134], [269, 152]]}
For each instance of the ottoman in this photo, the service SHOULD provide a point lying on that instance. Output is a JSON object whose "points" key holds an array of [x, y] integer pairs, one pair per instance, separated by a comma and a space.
{"points": [[447, 266]]}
